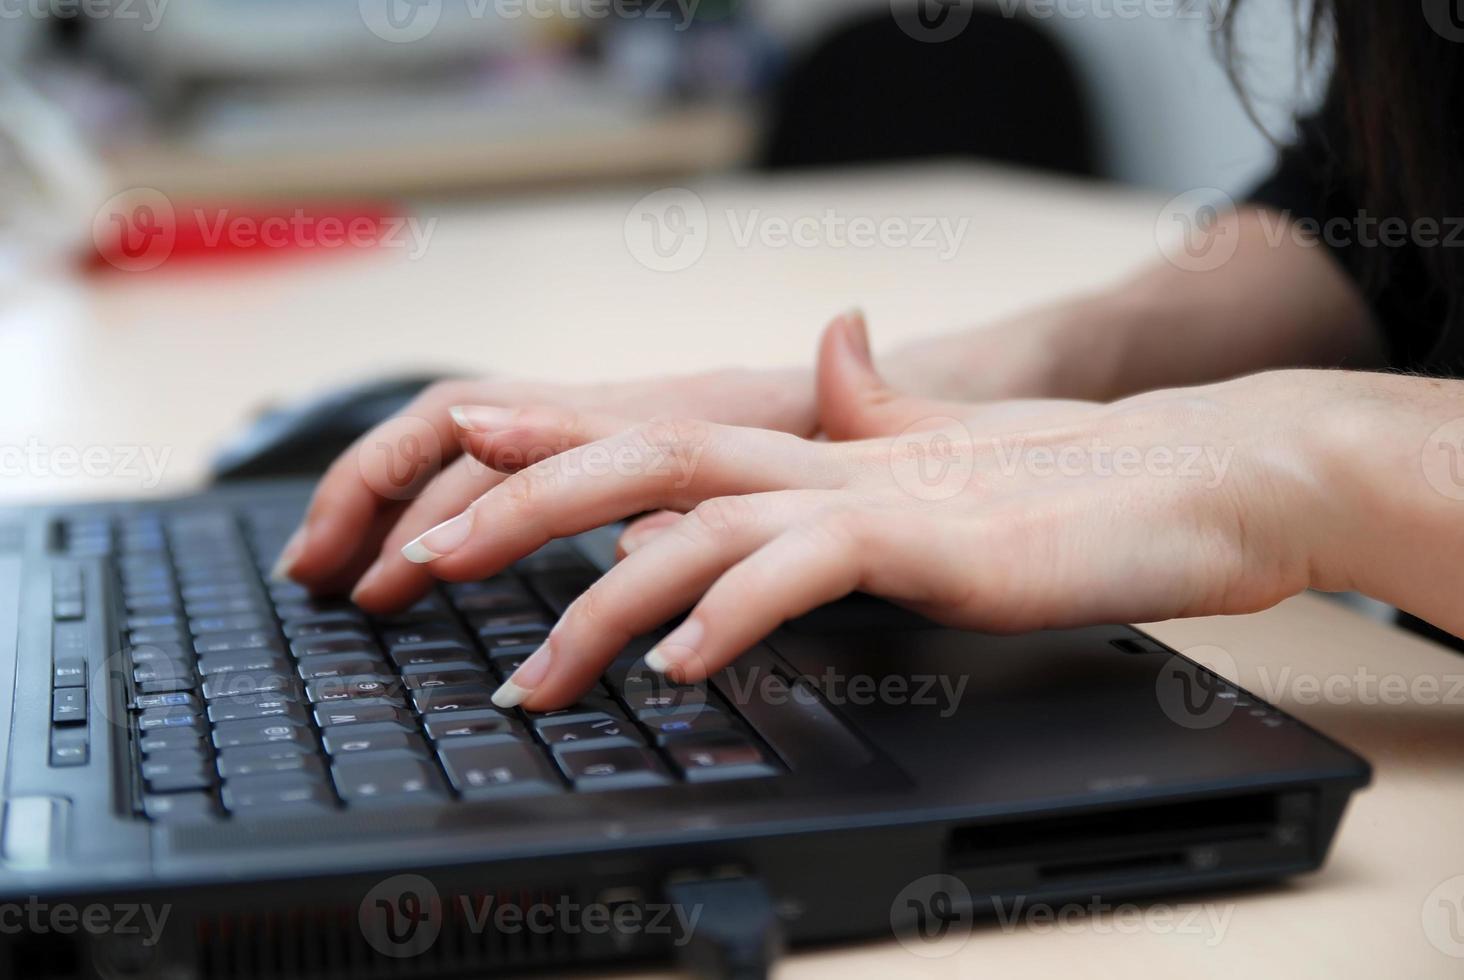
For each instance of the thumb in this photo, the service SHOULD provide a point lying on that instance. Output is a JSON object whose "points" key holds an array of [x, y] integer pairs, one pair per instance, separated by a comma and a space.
{"points": [[854, 402]]}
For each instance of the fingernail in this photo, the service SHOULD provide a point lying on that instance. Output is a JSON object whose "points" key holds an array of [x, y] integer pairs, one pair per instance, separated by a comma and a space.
{"points": [[443, 539], [368, 579], [633, 539], [677, 648], [524, 680], [857, 336], [288, 556], [481, 418]]}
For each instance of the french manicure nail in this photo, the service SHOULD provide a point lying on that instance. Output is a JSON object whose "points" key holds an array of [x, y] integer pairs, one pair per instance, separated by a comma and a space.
{"points": [[443, 539], [481, 418], [677, 648], [525, 680], [288, 556]]}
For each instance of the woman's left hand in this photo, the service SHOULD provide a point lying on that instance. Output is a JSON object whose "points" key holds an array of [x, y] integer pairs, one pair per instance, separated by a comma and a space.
{"points": [[1007, 518]]}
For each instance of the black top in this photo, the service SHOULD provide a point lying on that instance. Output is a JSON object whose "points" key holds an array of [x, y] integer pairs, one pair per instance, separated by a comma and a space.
{"points": [[1420, 317]]}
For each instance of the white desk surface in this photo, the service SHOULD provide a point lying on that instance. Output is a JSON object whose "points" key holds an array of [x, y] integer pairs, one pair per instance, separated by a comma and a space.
{"points": [[172, 360]]}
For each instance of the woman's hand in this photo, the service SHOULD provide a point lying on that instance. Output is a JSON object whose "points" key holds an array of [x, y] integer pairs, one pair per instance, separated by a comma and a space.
{"points": [[410, 473], [1001, 518]]}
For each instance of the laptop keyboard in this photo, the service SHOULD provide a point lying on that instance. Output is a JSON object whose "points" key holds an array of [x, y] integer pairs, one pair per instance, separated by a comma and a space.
{"points": [[251, 698]]}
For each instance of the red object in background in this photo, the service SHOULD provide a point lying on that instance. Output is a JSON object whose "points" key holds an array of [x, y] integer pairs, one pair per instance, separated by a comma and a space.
{"points": [[146, 230]]}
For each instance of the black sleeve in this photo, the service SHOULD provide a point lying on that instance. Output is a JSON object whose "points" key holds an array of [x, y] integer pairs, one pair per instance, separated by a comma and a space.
{"points": [[1312, 183]]}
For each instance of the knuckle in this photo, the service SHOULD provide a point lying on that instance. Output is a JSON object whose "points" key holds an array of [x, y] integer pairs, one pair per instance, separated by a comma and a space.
{"points": [[843, 527], [677, 440], [528, 488], [724, 516]]}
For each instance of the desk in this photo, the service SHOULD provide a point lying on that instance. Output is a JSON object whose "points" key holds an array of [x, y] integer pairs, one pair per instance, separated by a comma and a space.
{"points": [[172, 360]]}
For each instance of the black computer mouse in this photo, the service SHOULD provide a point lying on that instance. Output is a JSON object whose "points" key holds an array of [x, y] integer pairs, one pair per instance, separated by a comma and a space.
{"points": [[301, 439]]}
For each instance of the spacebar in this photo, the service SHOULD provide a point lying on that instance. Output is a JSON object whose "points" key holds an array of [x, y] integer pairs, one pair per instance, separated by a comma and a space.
{"points": [[790, 717]]}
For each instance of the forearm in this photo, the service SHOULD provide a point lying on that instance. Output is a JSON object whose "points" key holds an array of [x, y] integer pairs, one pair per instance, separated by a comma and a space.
{"points": [[1276, 303]]}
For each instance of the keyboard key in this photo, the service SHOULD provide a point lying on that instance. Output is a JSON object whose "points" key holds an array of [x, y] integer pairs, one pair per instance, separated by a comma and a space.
{"points": [[255, 707], [177, 699], [603, 728], [503, 624], [331, 629], [264, 760], [421, 634], [172, 772], [505, 770], [388, 780], [229, 624], [280, 794], [238, 640], [172, 740], [301, 626], [155, 653], [248, 661], [593, 769], [333, 643], [264, 731], [68, 672], [328, 689], [69, 747], [463, 724], [224, 607], [428, 655], [340, 665], [589, 706], [345, 714], [154, 719], [309, 608], [460, 698], [249, 682], [474, 674], [708, 758], [68, 706], [700, 722], [162, 634], [180, 807], [354, 740]]}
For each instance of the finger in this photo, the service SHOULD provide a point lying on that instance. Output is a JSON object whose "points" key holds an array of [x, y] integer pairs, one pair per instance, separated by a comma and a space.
{"points": [[854, 401], [803, 568], [658, 465], [656, 582], [512, 439], [365, 487], [643, 530], [392, 582]]}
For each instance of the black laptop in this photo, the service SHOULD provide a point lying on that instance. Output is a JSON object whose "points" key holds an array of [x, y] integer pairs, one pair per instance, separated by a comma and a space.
{"points": [[209, 775]]}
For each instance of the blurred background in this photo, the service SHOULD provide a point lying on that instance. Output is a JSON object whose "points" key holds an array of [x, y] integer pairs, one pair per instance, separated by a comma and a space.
{"points": [[288, 100]]}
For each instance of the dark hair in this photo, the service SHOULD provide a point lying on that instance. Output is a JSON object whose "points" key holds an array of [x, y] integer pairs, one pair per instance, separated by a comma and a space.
{"points": [[1395, 98]]}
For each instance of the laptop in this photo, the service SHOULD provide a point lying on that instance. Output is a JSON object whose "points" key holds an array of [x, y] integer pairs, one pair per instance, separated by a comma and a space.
{"points": [[211, 775]]}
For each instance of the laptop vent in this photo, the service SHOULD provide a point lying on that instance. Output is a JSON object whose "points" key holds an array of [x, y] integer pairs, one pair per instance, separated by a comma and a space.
{"points": [[329, 943]]}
